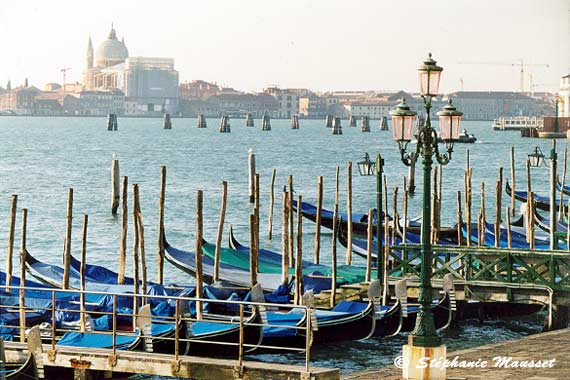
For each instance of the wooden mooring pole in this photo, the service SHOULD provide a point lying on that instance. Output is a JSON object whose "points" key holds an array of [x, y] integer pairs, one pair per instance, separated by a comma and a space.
{"points": [[285, 238], [219, 235], [349, 213], [115, 185], [136, 244], [553, 221], [124, 227], [291, 249], [82, 316], [160, 240], [334, 238], [299, 256], [251, 175], [512, 157], [271, 202], [67, 247], [10, 251], [318, 219], [369, 239], [561, 209], [198, 256], [459, 218], [21, 298]]}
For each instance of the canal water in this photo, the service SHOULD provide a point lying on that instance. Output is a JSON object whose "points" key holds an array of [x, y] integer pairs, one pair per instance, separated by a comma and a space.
{"points": [[42, 157]]}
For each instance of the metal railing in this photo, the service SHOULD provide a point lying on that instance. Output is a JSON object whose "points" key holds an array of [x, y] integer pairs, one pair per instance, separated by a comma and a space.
{"points": [[180, 318], [509, 266]]}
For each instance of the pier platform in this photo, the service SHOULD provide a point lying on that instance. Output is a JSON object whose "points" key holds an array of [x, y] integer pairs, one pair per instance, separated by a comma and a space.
{"points": [[550, 348]]}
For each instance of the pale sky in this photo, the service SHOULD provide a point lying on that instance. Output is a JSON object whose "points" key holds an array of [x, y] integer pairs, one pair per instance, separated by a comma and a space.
{"points": [[316, 44]]}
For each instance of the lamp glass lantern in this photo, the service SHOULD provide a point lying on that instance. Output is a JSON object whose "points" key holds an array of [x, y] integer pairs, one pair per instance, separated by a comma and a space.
{"points": [[402, 122], [429, 74], [449, 122], [536, 158], [366, 167]]}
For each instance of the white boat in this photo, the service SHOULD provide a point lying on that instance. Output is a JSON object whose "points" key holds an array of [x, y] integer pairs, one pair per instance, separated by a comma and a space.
{"points": [[516, 123]]}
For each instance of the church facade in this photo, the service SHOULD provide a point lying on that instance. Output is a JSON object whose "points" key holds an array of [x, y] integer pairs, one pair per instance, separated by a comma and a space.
{"points": [[149, 84]]}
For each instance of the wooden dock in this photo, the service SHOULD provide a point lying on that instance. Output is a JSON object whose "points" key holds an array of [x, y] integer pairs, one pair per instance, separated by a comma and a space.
{"points": [[164, 365], [544, 346]]}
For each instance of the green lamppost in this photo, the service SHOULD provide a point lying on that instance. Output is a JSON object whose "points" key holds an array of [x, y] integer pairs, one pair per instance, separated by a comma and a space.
{"points": [[368, 167], [424, 341]]}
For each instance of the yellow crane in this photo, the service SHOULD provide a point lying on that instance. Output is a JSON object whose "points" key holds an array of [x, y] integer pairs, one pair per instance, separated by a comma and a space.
{"points": [[521, 64]]}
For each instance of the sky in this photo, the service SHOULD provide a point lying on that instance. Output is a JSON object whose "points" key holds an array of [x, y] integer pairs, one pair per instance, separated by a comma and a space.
{"points": [[318, 44]]}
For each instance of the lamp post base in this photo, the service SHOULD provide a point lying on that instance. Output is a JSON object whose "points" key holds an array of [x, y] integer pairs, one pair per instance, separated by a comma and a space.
{"points": [[423, 363]]}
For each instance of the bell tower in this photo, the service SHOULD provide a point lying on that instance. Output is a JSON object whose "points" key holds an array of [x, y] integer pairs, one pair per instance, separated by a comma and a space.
{"points": [[89, 55]]}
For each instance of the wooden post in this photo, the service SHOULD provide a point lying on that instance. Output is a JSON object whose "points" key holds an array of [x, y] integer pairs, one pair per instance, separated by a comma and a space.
{"points": [[67, 248], [395, 216], [252, 250], [82, 274], [285, 238], [369, 238], [135, 254], [115, 185], [218, 253], [23, 253], [299, 257], [553, 170], [483, 211], [318, 219], [512, 155], [498, 214], [508, 221], [161, 224], [467, 163], [561, 206], [251, 175], [385, 286], [468, 202], [257, 199], [199, 233], [291, 250], [459, 218], [333, 249], [142, 251], [271, 202], [349, 212], [10, 251], [124, 226]]}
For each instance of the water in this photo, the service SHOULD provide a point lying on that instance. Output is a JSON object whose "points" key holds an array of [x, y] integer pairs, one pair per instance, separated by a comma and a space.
{"points": [[42, 157]]}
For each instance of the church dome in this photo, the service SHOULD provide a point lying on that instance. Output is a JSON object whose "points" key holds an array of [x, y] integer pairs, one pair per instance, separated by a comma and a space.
{"points": [[111, 51]]}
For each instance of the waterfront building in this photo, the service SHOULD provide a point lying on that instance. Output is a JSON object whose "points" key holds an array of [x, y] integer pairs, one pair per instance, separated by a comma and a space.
{"points": [[233, 105], [287, 99], [564, 97], [151, 82], [197, 89], [313, 106], [95, 103], [19, 100], [482, 105]]}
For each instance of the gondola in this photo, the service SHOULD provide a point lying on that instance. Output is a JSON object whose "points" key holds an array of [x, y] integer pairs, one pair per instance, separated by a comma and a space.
{"points": [[517, 240], [20, 371], [544, 224], [565, 189], [540, 202], [185, 261]]}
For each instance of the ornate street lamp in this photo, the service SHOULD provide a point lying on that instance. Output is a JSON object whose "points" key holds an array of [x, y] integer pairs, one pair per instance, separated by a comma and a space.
{"points": [[424, 341], [366, 167], [536, 158]]}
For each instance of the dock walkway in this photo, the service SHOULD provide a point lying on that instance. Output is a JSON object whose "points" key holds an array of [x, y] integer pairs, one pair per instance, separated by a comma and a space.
{"points": [[545, 346]]}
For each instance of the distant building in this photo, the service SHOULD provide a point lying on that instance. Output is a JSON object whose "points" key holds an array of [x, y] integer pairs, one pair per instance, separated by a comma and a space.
{"points": [[95, 103], [374, 110], [152, 83], [231, 104], [197, 89], [19, 100], [480, 105], [564, 104], [313, 106], [287, 99]]}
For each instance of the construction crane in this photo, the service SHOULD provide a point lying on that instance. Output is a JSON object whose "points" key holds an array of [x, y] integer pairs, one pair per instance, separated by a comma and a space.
{"points": [[521, 64], [64, 71]]}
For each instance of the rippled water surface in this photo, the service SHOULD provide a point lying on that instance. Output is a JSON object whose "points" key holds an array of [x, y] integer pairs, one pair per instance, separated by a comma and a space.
{"points": [[42, 157]]}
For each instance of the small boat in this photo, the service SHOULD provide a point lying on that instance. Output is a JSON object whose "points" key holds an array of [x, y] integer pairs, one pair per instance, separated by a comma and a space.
{"points": [[565, 189], [541, 202], [20, 371], [464, 138], [185, 261], [544, 224]]}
